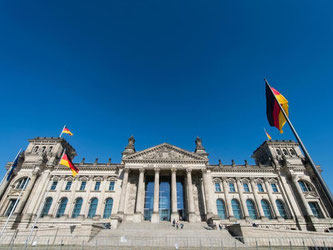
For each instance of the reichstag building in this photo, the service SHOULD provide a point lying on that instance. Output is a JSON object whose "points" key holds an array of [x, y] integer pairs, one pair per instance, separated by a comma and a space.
{"points": [[165, 183]]}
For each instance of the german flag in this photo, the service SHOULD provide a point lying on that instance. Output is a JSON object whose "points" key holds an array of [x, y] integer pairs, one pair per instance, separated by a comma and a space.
{"points": [[66, 131], [65, 161], [268, 135], [274, 113]]}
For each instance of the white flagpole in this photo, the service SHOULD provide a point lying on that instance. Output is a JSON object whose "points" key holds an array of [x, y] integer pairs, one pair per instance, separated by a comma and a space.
{"points": [[10, 168], [62, 131], [307, 155], [14, 207], [39, 210]]}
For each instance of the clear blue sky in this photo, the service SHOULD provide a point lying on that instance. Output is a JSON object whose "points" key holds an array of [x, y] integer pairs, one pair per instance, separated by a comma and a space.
{"points": [[165, 71]]}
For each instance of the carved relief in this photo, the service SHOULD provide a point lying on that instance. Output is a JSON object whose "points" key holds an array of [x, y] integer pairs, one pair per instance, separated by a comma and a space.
{"points": [[164, 152]]}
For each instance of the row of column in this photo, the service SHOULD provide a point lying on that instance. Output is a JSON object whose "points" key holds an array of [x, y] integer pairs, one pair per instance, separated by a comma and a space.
{"points": [[174, 210]]}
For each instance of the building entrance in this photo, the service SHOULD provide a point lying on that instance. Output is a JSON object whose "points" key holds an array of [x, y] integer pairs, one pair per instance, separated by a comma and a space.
{"points": [[164, 202], [164, 198]]}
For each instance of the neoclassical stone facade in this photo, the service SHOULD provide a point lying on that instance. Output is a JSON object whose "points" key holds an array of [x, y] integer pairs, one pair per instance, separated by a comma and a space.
{"points": [[165, 183]]}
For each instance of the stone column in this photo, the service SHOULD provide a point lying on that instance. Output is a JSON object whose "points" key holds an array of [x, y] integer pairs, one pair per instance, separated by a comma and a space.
{"points": [[156, 216], [140, 197], [289, 197], [300, 192], [260, 211], [38, 195], [27, 191], [242, 200], [208, 197], [4, 186], [272, 200], [227, 200], [174, 210], [191, 214], [123, 192]]}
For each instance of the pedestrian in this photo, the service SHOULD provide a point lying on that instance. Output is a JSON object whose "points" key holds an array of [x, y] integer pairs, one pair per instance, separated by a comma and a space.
{"points": [[173, 222], [177, 225], [181, 226], [220, 226]]}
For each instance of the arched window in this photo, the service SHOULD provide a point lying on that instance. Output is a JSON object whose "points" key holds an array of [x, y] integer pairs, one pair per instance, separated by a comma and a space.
{"points": [[93, 207], [77, 207], [267, 209], [43, 149], [278, 151], [50, 149], [221, 209], [285, 152], [236, 209], [46, 208], [252, 209], [108, 208], [36, 149], [23, 183], [305, 186], [281, 208], [292, 151], [62, 207]]}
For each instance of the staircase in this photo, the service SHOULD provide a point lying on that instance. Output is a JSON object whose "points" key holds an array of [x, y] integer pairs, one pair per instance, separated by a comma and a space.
{"points": [[164, 235]]}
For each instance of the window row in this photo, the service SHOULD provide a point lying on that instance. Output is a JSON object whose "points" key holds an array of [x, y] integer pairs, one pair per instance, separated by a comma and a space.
{"points": [[285, 151], [246, 187], [251, 208], [83, 185], [42, 149], [77, 207]]}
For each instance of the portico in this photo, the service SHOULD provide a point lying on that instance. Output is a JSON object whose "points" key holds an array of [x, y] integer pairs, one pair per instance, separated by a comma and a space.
{"points": [[163, 183]]}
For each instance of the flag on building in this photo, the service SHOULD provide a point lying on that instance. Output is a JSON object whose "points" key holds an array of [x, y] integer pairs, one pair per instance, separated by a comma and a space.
{"points": [[65, 161], [14, 165], [66, 131], [268, 135], [274, 113]]}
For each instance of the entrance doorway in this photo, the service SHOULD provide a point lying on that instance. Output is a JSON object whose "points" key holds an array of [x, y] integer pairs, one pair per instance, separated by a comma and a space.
{"points": [[164, 201]]}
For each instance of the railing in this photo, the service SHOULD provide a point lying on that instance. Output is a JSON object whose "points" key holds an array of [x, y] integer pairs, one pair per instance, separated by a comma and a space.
{"points": [[65, 242]]}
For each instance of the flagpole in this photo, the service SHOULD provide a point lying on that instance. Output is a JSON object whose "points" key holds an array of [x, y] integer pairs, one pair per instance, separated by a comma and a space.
{"points": [[39, 210], [10, 168], [307, 155], [14, 207], [62, 131]]}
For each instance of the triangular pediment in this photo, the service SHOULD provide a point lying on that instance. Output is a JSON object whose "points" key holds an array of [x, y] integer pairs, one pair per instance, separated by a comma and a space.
{"points": [[164, 152]]}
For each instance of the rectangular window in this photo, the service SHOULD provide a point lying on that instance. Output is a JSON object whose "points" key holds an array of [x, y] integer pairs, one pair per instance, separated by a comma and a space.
{"points": [[68, 185], [316, 210], [246, 187], [10, 207], [97, 185], [54, 185], [274, 187], [232, 187], [217, 187], [83, 185], [260, 188], [111, 186]]}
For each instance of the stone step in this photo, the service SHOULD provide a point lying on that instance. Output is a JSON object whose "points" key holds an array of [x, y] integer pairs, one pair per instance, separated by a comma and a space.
{"points": [[164, 234]]}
